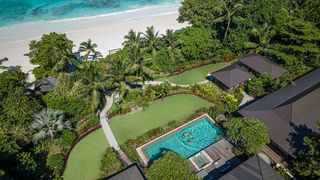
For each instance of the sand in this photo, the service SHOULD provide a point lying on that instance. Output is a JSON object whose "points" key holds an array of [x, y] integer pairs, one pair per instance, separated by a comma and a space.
{"points": [[107, 31]]}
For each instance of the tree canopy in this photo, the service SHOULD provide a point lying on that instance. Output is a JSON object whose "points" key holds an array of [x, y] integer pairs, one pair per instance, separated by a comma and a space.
{"points": [[247, 133], [170, 166]]}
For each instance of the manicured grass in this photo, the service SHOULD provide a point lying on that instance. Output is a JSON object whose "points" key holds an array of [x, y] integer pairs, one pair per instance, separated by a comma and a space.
{"points": [[157, 114], [84, 159], [195, 75]]}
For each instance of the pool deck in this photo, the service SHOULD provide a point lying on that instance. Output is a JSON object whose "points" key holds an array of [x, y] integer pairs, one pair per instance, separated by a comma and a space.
{"points": [[142, 153], [221, 150]]}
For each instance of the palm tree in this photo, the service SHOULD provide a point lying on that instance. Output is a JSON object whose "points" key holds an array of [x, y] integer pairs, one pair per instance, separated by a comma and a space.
{"points": [[89, 47], [172, 44], [1, 62], [95, 84], [261, 39], [67, 59], [47, 123], [151, 41], [140, 65], [133, 39], [121, 75], [228, 11]]}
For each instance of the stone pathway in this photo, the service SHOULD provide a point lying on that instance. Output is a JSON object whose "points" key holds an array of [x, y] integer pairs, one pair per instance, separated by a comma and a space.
{"points": [[104, 123], [246, 99], [172, 84]]}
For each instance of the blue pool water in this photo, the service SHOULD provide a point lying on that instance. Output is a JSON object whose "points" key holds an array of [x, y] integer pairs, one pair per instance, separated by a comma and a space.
{"points": [[188, 140], [17, 11]]}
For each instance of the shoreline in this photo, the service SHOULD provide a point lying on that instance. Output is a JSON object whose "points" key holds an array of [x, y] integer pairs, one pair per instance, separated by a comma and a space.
{"points": [[107, 31]]}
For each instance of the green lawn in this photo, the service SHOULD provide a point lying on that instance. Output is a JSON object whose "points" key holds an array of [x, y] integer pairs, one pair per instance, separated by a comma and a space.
{"points": [[84, 160], [195, 75]]}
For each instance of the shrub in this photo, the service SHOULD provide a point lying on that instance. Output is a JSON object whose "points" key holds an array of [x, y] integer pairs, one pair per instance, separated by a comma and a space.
{"points": [[261, 85], [170, 166], [74, 107], [110, 163], [210, 92], [55, 163], [66, 139], [163, 62]]}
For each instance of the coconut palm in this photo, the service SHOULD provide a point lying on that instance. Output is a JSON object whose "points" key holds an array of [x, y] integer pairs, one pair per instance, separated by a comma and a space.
{"points": [[140, 64], [47, 123], [151, 41], [95, 84], [132, 39], [67, 60], [89, 47], [261, 39], [172, 44], [228, 11], [121, 75]]}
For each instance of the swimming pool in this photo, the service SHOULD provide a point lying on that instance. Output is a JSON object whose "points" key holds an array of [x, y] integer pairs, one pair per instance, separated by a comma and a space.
{"points": [[187, 140]]}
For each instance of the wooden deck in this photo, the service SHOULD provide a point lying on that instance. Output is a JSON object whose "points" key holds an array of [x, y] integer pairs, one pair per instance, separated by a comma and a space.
{"points": [[220, 150]]}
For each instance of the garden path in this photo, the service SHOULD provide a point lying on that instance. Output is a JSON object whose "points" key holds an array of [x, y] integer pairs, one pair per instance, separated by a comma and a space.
{"points": [[104, 123], [172, 84], [246, 99]]}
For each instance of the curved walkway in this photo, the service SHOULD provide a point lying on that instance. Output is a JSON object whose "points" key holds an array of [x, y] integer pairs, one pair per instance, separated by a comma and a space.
{"points": [[104, 123], [172, 84]]}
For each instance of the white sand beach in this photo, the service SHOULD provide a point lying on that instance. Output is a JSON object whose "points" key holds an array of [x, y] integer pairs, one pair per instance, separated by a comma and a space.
{"points": [[107, 31]]}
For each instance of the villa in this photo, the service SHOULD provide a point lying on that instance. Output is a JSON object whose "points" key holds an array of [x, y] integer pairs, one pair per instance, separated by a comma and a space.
{"points": [[238, 73], [290, 113]]}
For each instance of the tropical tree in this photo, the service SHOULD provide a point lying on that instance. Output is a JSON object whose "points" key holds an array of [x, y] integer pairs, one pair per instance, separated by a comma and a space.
{"points": [[151, 41], [67, 60], [260, 40], [228, 13], [95, 83], [170, 166], [132, 39], [47, 123], [249, 134], [140, 65], [89, 47], [121, 74], [171, 43]]}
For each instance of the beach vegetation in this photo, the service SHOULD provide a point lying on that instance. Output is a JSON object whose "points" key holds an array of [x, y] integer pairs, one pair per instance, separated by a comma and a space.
{"points": [[249, 134], [88, 47]]}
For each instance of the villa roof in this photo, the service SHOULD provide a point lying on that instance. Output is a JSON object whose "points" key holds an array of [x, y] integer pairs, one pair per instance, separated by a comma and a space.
{"points": [[232, 75], [132, 172], [290, 113], [262, 65], [254, 168], [47, 84]]}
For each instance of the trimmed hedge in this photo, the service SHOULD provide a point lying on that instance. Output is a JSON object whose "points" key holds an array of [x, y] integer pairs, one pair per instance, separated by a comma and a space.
{"points": [[110, 163]]}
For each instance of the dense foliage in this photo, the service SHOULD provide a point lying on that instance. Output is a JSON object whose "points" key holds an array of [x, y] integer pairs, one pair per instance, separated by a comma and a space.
{"points": [[247, 133], [170, 166], [110, 163]]}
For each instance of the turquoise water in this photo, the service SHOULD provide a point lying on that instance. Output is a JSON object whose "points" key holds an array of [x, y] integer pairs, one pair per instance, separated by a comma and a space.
{"points": [[17, 11], [188, 140]]}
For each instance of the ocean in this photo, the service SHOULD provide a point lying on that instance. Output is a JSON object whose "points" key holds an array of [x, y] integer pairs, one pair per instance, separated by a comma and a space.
{"points": [[22, 11]]}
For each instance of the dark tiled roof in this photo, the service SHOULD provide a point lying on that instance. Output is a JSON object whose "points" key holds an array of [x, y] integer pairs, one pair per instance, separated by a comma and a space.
{"points": [[132, 172], [289, 113], [232, 75], [254, 168], [261, 65], [47, 84]]}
